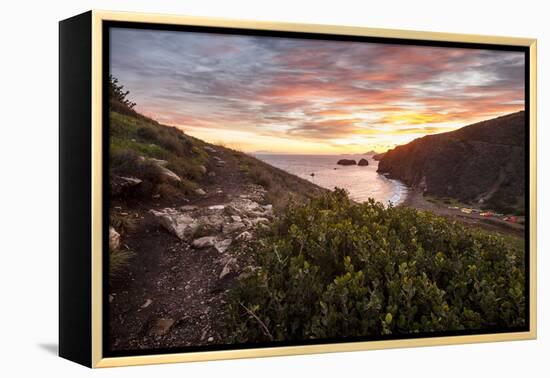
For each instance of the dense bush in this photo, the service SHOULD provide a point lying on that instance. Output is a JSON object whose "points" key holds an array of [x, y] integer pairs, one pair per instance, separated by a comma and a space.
{"points": [[334, 268]]}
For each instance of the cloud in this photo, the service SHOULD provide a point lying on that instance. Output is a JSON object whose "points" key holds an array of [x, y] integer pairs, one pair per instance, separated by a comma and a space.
{"points": [[312, 89]]}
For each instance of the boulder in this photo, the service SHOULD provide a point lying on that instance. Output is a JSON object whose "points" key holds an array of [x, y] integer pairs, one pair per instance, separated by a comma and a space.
{"points": [[232, 210], [228, 268], [162, 166], [346, 162], [255, 221], [204, 242], [229, 228], [202, 169], [244, 236], [114, 239], [363, 162], [200, 192], [169, 174], [120, 185], [159, 162], [180, 224], [222, 245], [209, 149], [213, 221]]}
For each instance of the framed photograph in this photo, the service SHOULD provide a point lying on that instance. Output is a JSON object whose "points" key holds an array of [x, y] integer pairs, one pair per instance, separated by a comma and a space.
{"points": [[235, 189]]}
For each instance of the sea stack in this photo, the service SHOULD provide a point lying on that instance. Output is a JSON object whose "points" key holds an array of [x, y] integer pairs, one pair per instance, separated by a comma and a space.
{"points": [[346, 162], [363, 162]]}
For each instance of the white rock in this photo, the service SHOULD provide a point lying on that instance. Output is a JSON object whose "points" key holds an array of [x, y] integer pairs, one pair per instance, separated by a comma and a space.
{"points": [[229, 228], [147, 303], [204, 242], [229, 267], [259, 220], [159, 162], [114, 239], [130, 181], [200, 192], [162, 165], [217, 207], [221, 246], [180, 224], [188, 208], [245, 236], [170, 174], [202, 168], [236, 218], [232, 210]]}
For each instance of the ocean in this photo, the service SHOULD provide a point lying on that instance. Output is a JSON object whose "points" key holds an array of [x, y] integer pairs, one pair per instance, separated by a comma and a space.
{"points": [[362, 183]]}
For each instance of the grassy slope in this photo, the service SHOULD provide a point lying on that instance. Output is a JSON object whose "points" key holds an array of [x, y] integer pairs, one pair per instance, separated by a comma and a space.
{"points": [[133, 136]]}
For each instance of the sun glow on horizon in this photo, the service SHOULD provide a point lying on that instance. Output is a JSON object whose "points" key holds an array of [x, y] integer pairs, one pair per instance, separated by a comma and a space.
{"points": [[312, 96]]}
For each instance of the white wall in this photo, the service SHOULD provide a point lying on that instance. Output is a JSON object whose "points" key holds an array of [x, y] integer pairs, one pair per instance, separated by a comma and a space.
{"points": [[28, 148]]}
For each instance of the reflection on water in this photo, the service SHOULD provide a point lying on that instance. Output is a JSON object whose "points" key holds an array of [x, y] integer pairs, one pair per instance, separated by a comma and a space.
{"points": [[361, 182]]}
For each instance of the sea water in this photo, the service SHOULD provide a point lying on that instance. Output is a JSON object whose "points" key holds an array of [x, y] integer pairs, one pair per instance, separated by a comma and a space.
{"points": [[362, 182]]}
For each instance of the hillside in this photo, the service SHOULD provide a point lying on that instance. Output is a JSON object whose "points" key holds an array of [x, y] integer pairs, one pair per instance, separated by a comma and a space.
{"points": [[180, 210], [173, 166], [482, 164]]}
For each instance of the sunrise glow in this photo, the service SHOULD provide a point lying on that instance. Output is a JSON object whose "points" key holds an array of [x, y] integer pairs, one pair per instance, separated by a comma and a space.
{"points": [[309, 96]]}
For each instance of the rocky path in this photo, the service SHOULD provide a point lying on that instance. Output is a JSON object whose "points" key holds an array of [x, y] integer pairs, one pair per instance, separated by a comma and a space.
{"points": [[186, 258]]}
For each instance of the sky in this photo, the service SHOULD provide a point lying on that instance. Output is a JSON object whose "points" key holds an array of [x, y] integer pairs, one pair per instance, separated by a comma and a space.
{"points": [[283, 95]]}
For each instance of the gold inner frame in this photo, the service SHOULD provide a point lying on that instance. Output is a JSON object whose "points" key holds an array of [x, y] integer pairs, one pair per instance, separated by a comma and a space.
{"points": [[97, 154]]}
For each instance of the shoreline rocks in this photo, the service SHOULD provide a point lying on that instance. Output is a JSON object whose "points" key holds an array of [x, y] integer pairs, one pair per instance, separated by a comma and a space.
{"points": [[363, 163], [346, 162]]}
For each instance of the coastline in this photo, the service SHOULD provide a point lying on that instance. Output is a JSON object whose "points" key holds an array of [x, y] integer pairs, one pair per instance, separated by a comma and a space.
{"points": [[401, 192], [415, 199], [361, 181]]}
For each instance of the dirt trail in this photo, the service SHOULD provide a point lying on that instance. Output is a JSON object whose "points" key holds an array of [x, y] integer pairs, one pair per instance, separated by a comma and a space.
{"points": [[172, 295]]}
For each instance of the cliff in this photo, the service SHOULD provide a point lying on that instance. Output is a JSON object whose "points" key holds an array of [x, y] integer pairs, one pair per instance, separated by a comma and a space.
{"points": [[483, 163]]}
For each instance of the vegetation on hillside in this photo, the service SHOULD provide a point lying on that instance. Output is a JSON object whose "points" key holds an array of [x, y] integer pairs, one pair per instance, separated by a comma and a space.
{"points": [[136, 141], [333, 268]]}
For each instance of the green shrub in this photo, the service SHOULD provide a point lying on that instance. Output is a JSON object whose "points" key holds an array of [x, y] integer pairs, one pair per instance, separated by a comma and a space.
{"points": [[334, 268]]}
